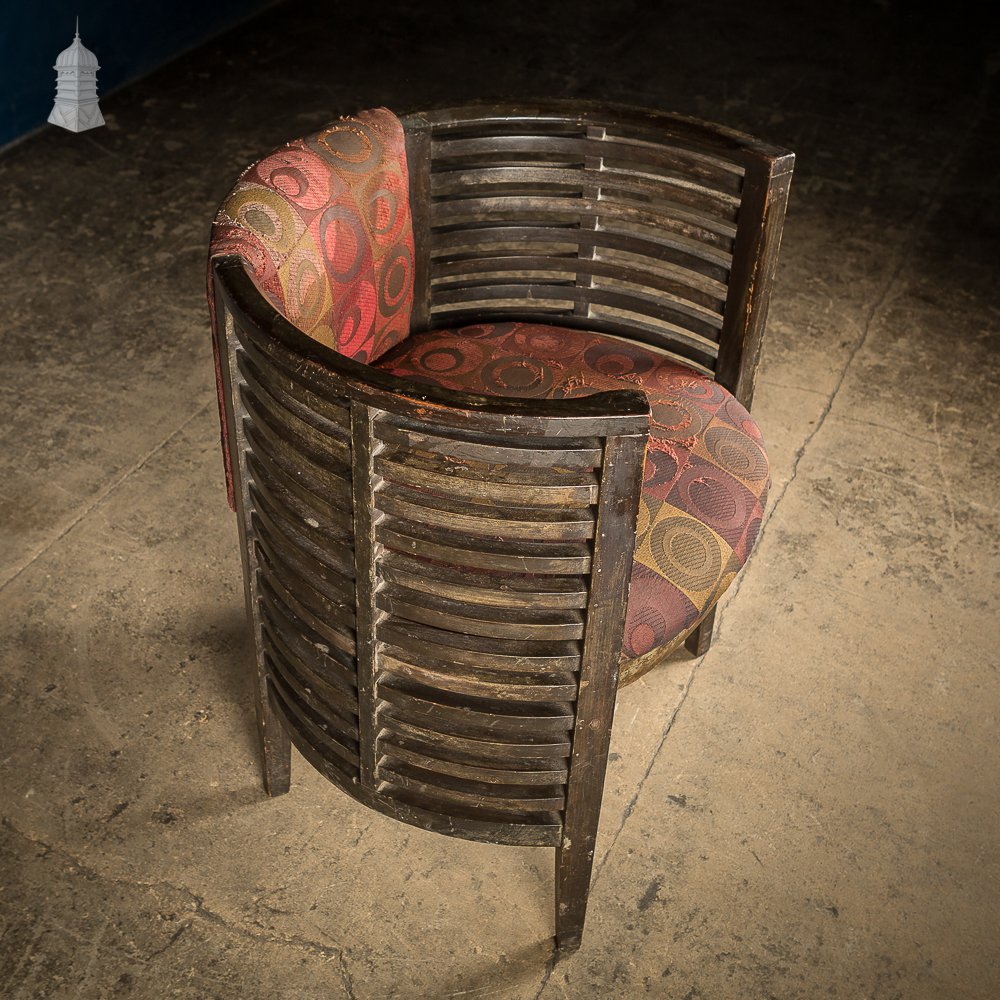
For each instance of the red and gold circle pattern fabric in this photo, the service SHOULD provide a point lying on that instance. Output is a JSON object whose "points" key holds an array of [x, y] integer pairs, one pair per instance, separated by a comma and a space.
{"points": [[706, 474], [324, 223]]}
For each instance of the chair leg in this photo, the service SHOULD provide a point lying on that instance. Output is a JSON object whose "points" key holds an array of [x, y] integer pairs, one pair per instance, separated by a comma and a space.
{"points": [[574, 864], [275, 746], [699, 641]]}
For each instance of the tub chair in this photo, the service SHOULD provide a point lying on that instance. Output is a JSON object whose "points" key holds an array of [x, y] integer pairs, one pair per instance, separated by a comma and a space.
{"points": [[484, 377]]}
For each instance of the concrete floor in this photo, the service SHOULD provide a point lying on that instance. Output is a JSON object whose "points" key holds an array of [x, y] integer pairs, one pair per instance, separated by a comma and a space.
{"points": [[810, 810]]}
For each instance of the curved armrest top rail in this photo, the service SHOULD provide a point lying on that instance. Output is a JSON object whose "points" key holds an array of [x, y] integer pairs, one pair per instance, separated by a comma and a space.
{"points": [[332, 374], [743, 148]]}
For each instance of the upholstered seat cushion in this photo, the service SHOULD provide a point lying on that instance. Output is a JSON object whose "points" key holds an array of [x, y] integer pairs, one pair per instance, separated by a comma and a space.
{"points": [[706, 473]]}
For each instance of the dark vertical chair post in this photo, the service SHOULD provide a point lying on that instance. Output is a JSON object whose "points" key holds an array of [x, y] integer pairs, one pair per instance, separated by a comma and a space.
{"points": [[612, 565]]}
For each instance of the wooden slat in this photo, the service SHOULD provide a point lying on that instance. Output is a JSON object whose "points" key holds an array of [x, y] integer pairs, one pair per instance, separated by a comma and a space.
{"points": [[507, 522], [639, 271], [572, 116], [325, 421], [453, 816], [324, 753], [554, 476], [428, 757], [448, 788], [335, 556], [314, 726], [499, 590], [293, 564], [301, 645], [342, 640], [338, 719], [523, 452], [669, 250], [479, 619], [494, 484], [276, 368], [329, 685], [319, 476], [325, 602], [443, 649], [686, 323], [567, 235], [287, 428], [513, 687], [483, 717], [485, 553], [714, 174], [678, 228], [511, 760], [715, 210], [545, 751], [527, 616], [294, 499]]}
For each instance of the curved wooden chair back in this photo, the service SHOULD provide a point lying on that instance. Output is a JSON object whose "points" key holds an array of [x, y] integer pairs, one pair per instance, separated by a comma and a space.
{"points": [[653, 227]]}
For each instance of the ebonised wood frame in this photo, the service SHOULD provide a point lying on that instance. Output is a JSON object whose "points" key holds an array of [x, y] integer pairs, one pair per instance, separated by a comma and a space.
{"points": [[437, 580]]}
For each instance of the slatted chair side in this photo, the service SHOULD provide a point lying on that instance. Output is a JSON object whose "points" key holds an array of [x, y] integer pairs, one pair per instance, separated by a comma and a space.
{"points": [[495, 577], [434, 588]]}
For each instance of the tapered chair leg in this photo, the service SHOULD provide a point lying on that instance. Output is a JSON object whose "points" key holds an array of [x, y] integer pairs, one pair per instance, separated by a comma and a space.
{"points": [[574, 864], [275, 746], [699, 641]]}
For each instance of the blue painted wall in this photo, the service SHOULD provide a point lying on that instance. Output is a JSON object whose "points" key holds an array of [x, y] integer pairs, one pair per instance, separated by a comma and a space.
{"points": [[129, 39]]}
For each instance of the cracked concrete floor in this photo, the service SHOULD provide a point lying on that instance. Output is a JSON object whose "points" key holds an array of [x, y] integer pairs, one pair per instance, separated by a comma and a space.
{"points": [[809, 810]]}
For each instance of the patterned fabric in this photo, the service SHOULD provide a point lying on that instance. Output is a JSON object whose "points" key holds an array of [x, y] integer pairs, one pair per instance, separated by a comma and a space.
{"points": [[324, 225], [706, 475]]}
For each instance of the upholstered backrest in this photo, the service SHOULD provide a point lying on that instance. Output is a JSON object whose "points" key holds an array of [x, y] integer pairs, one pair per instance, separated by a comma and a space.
{"points": [[324, 224]]}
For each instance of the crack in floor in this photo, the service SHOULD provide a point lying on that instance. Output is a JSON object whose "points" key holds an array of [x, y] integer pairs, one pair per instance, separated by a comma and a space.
{"points": [[345, 976], [198, 908], [100, 497], [550, 965], [921, 218], [630, 806]]}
